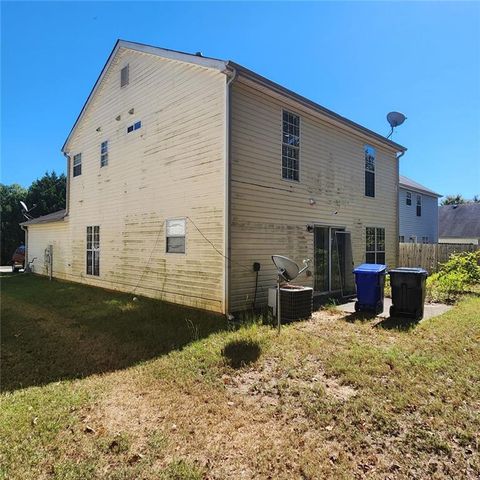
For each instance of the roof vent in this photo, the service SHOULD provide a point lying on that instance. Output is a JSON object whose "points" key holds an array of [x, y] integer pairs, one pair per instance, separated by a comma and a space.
{"points": [[198, 54]]}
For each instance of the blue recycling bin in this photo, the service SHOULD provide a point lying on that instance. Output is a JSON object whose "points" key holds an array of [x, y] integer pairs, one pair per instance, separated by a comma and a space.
{"points": [[370, 280]]}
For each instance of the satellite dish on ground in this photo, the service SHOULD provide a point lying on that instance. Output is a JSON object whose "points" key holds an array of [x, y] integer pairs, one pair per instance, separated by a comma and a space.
{"points": [[395, 119], [288, 270]]}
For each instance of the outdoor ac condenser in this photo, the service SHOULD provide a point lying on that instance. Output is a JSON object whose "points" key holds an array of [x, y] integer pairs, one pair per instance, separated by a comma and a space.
{"points": [[297, 302]]}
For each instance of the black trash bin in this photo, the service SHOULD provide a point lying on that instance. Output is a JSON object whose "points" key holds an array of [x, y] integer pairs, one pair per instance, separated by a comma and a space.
{"points": [[408, 292]]}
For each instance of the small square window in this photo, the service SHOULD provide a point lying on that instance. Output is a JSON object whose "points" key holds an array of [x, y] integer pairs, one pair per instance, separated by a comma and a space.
{"points": [[135, 126], [175, 235]]}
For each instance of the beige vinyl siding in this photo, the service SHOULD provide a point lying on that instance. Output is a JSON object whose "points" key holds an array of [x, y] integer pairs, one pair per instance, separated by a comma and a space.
{"points": [[39, 237], [172, 167], [269, 215]]}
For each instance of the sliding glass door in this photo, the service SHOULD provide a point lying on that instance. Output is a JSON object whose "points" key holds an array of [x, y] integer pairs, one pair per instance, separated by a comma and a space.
{"points": [[333, 260]]}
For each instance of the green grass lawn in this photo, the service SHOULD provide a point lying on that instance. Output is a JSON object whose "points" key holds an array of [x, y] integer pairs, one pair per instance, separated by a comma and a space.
{"points": [[95, 385]]}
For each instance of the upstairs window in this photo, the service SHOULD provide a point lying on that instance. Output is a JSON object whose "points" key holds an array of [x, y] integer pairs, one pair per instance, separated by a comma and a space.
{"points": [[375, 245], [419, 205], [104, 153], [124, 75], [93, 250], [425, 239], [291, 146], [134, 127], [77, 164], [408, 199], [369, 153], [175, 235]]}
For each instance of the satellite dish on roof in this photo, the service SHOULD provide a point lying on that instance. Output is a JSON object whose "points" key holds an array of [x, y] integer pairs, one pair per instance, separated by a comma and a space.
{"points": [[395, 119], [26, 210]]}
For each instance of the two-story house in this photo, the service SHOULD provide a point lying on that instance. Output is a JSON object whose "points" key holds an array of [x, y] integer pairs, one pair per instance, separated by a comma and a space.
{"points": [[418, 212], [184, 171]]}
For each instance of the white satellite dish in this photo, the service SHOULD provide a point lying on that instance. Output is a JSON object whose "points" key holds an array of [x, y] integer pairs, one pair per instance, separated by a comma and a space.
{"points": [[395, 119], [24, 206], [26, 210]]}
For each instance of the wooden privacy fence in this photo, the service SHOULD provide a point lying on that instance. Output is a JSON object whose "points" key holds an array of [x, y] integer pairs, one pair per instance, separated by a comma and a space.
{"points": [[430, 255]]}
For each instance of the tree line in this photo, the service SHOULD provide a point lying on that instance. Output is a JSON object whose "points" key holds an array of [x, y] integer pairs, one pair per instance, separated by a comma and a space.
{"points": [[459, 200], [45, 195]]}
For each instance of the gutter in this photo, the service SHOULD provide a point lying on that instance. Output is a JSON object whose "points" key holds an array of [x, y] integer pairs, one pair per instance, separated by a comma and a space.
{"points": [[231, 76]]}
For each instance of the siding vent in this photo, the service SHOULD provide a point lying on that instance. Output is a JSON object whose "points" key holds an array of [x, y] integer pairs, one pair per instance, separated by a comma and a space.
{"points": [[125, 76]]}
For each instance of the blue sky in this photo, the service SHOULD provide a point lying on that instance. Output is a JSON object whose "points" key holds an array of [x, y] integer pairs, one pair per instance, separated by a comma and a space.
{"points": [[358, 59]]}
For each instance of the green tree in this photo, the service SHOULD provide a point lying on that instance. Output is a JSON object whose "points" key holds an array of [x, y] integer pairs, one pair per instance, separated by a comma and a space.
{"points": [[453, 200], [11, 215], [47, 193]]}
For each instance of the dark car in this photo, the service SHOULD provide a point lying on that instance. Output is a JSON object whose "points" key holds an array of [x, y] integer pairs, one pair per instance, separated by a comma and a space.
{"points": [[18, 259]]}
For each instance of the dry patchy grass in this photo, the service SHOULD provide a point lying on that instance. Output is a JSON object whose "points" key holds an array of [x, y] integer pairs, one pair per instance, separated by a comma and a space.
{"points": [[325, 399]]}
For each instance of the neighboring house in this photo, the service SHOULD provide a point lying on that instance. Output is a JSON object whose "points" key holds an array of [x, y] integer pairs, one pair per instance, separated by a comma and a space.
{"points": [[418, 212], [185, 170], [460, 223]]}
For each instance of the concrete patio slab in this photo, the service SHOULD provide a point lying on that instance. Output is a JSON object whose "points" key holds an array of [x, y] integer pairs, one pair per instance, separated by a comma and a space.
{"points": [[431, 309]]}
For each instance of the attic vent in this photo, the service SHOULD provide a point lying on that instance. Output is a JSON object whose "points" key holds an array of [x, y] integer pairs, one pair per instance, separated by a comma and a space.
{"points": [[124, 75]]}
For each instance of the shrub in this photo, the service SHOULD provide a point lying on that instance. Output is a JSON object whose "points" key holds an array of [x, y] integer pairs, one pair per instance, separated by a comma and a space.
{"points": [[455, 277]]}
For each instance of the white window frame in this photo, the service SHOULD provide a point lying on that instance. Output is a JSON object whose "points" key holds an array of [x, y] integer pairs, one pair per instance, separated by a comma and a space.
{"points": [[419, 202], [104, 154], [135, 126], [376, 250], [184, 235], [369, 168], [408, 198], [77, 162], [296, 148], [93, 246]]}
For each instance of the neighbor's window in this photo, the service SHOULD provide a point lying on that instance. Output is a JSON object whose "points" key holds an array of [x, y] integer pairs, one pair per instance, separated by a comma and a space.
{"points": [[375, 245], [77, 164], [291, 146], [369, 171], [104, 153], [413, 239], [175, 230], [425, 239], [408, 200], [93, 250], [124, 75], [401, 239], [419, 205], [135, 126]]}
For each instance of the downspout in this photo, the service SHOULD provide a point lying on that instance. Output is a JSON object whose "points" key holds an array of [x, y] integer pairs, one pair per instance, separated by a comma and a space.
{"points": [[25, 229], [67, 193], [231, 76], [397, 249]]}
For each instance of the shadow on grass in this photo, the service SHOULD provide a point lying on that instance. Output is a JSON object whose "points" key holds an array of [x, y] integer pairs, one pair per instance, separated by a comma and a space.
{"points": [[397, 323], [239, 353], [360, 317], [60, 330]]}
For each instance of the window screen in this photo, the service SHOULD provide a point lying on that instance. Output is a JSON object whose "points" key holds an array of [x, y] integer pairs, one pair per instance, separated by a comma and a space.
{"points": [[175, 230], [93, 250], [124, 75], [369, 153], [375, 245], [77, 164], [291, 146]]}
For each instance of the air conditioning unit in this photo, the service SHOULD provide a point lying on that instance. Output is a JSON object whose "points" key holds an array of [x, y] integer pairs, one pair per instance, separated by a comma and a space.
{"points": [[296, 302]]}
